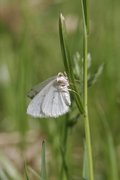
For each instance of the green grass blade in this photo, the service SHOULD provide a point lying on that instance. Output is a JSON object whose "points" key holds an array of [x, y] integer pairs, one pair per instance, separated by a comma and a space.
{"points": [[43, 163], [9, 168], [3, 175], [68, 62], [62, 43], [112, 157], [113, 165], [26, 173]]}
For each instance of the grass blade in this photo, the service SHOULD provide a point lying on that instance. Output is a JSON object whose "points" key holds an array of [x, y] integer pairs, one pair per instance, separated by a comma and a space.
{"points": [[62, 43], [43, 163], [113, 166], [9, 168], [34, 173], [26, 173], [68, 63]]}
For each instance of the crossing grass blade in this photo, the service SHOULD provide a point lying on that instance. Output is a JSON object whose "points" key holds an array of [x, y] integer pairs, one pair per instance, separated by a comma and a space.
{"points": [[34, 173]]}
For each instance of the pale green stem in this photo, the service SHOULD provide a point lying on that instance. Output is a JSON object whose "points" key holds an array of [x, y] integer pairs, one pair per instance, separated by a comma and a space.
{"points": [[85, 100]]}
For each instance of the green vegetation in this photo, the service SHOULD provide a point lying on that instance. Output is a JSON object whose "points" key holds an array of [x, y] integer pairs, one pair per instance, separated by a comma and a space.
{"points": [[30, 52]]}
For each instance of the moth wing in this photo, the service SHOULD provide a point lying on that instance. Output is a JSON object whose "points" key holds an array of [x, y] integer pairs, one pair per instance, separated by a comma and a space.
{"points": [[36, 89], [60, 106], [54, 103], [35, 107], [66, 97]]}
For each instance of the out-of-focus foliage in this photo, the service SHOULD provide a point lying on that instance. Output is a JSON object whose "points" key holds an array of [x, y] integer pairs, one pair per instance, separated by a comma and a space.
{"points": [[29, 53]]}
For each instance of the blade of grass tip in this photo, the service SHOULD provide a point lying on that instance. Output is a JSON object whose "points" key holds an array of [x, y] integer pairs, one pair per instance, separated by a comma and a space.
{"points": [[62, 44], [64, 47], [26, 173], [67, 61], [43, 163]]}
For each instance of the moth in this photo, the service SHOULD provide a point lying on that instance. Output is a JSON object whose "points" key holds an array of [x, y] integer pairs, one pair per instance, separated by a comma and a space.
{"points": [[51, 98]]}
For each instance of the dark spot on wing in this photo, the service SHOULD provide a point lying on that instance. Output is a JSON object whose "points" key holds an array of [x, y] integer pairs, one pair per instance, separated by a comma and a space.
{"points": [[32, 93]]}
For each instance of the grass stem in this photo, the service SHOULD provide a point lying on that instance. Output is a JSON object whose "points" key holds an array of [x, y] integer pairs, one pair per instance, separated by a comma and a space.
{"points": [[64, 167], [85, 92]]}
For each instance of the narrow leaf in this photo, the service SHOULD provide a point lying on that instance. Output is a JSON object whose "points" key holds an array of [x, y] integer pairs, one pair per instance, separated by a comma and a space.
{"points": [[62, 43], [113, 166], [26, 173], [67, 62], [43, 163]]}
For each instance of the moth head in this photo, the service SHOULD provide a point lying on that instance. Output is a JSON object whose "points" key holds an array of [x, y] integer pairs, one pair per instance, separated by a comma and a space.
{"points": [[62, 79]]}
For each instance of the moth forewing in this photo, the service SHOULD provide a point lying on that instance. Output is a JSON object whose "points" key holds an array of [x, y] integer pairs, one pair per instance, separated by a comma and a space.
{"points": [[37, 88], [35, 106]]}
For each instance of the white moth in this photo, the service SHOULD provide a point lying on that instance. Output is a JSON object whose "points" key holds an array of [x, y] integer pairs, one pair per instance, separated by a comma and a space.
{"points": [[50, 98]]}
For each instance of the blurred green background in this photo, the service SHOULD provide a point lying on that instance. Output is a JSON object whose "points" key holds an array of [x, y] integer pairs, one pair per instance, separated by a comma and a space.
{"points": [[30, 53]]}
